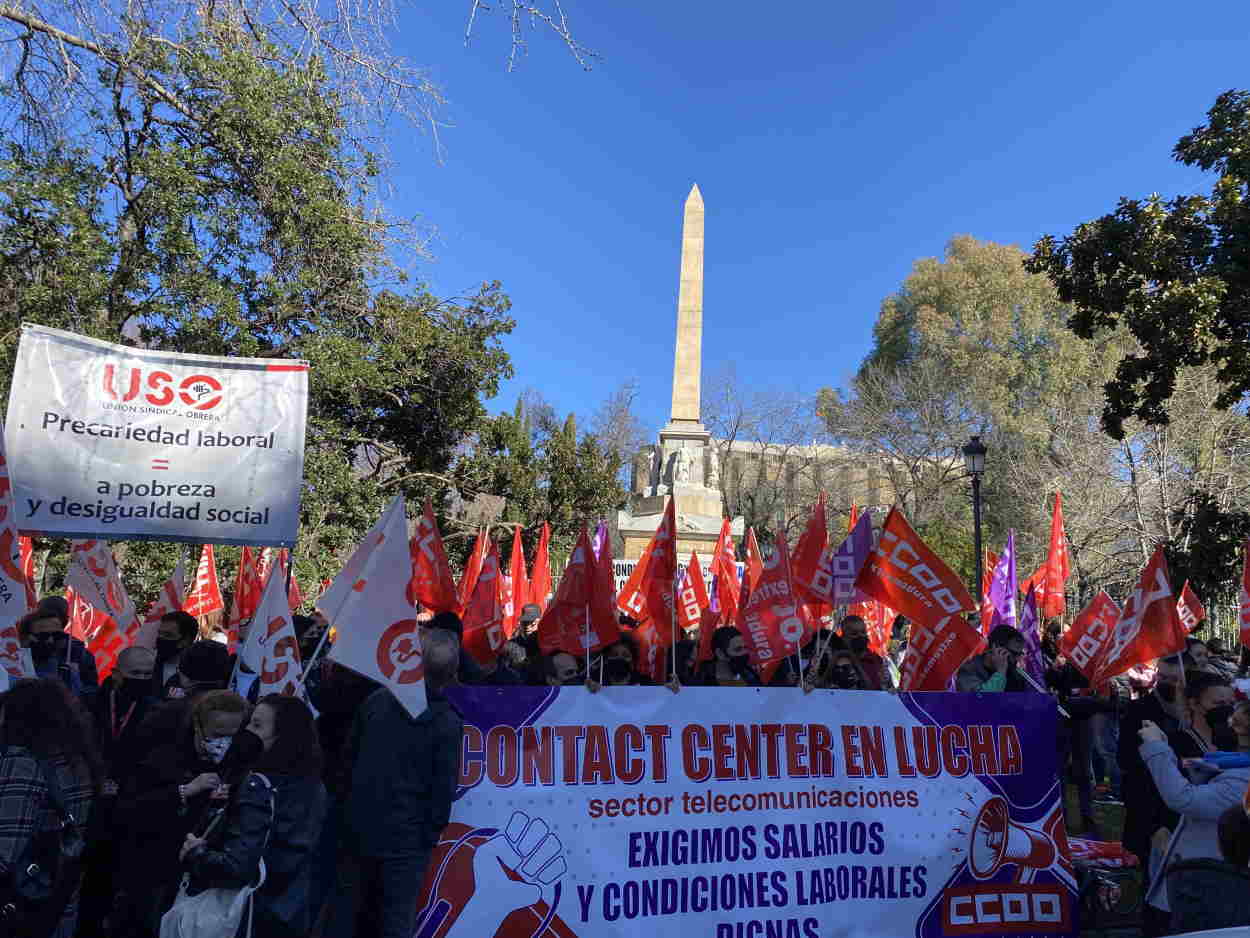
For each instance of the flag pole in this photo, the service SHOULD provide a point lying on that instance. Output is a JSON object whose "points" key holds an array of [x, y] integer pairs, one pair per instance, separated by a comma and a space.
{"points": [[586, 642]]}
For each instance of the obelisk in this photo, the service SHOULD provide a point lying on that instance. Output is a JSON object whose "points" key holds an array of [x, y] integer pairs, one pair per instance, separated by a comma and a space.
{"points": [[688, 360]]}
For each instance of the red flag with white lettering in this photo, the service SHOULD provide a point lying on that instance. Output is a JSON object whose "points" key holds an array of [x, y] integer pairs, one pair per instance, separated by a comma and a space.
{"points": [[376, 622], [771, 621], [1190, 608], [168, 600], [879, 618], [1085, 638], [648, 593], [94, 575], [518, 594], [432, 584], [692, 597], [603, 615], [483, 616], [204, 597], [565, 625], [935, 653], [725, 573], [248, 588], [1148, 627], [906, 575], [540, 570], [653, 651], [810, 563], [97, 631], [987, 603]]}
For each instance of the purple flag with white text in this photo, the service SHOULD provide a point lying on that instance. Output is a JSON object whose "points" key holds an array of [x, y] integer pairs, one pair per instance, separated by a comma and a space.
{"points": [[1032, 662], [1003, 586], [849, 559]]}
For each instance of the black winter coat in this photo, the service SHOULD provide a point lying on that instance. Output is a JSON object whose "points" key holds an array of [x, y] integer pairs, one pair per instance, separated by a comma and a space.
{"points": [[276, 818]]}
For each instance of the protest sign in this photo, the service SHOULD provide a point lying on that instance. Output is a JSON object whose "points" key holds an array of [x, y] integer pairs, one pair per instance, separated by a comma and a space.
{"points": [[724, 813], [109, 441]]}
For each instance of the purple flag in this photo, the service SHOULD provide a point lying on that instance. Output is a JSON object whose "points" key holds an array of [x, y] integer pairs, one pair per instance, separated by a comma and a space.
{"points": [[601, 535], [1032, 662], [849, 559], [1003, 587]]}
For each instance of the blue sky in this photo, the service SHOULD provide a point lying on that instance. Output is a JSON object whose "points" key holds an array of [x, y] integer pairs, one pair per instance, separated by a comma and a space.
{"points": [[834, 144]]}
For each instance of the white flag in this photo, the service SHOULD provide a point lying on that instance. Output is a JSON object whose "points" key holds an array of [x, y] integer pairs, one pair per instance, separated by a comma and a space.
{"points": [[94, 576], [169, 600], [12, 582], [271, 648], [376, 622]]}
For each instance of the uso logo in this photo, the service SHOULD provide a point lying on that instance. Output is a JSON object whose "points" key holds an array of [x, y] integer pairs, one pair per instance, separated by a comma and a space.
{"points": [[160, 388]]}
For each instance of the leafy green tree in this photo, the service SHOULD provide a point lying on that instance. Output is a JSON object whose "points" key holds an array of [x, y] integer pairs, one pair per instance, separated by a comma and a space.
{"points": [[1172, 272]]}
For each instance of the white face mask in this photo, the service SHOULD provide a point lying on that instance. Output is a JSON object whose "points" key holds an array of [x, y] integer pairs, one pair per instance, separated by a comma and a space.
{"points": [[215, 749]]}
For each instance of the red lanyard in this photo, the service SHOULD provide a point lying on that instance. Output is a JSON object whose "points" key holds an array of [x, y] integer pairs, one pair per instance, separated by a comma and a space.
{"points": [[118, 730]]}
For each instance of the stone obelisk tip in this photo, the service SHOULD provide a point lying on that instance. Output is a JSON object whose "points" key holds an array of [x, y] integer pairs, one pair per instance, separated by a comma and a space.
{"points": [[695, 195]]}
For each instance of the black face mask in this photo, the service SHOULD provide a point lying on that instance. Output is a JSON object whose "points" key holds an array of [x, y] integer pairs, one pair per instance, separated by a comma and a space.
{"points": [[739, 663], [1217, 718], [617, 669], [47, 645], [1166, 692], [167, 648], [844, 678], [857, 645], [135, 687]]}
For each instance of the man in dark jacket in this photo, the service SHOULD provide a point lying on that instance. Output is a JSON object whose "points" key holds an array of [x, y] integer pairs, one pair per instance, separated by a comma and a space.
{"points": [[57, 655], [401, 778], [996, 669]]}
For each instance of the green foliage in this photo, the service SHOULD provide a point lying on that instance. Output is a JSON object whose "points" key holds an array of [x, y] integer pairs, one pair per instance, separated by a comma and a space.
{"points": [[1174, 273], [1208, 551]]}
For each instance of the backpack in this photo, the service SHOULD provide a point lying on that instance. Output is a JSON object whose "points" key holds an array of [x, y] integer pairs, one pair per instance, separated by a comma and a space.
{"points": [[34, 894]]}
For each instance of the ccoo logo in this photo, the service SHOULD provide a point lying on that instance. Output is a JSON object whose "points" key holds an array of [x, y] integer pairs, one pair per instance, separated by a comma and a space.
{"points": [[160, 388]]}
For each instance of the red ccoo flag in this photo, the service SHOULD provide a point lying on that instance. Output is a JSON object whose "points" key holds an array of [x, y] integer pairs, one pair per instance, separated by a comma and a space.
{"points": [[906, 575], [540, 570], [565, 625], [1190, 608], [1148, 627], [648, 593], [472, 569], [1083, 642], [812, 556], [692, 600], [725, 573], [432, 584], [935, 653], [520, 585], [771, 621], [248, 588], [483, 616], [603, 595]]}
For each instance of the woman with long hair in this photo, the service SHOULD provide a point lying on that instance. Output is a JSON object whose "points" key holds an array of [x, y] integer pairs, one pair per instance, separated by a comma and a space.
{"points": [[274, 815], [44, 734]]}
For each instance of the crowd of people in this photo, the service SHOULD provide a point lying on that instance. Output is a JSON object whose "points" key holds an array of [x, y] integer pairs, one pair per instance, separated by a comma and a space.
{"points": [[185, 781]]}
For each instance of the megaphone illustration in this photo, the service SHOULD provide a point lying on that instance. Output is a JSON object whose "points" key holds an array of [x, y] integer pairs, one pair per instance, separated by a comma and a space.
{"points": [[997, 839]]}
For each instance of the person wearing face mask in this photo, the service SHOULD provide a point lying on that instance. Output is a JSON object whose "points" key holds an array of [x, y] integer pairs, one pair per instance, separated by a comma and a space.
{"points": [[846, 672], [56, 655], [276, 815], [167, 794], [731, 664], [1163, 706], [855, 636], [619, 662], [120, 709], [177, 632], [1198, 792], [998, 668]]}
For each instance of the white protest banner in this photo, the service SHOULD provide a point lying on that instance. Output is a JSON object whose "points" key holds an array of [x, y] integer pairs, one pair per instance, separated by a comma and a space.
{"points": [[732, 813], [126, 443]]}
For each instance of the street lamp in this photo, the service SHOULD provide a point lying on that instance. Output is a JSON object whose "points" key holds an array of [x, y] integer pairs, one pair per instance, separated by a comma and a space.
{"points": [[974, 462]]}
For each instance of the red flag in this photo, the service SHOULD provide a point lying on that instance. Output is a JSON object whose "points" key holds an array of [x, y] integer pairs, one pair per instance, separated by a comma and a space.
{"points": [[1148, 627], [653, 644], [168, 600], [1049, 579], [811, 560], [692, 600], [468, 580], [1083, 642], [1190, 608], [987, 580], [264, 563], [771, 621], [648, 594], [879, 618], [1243, 611], [27, 549], [854, 518], [248, 587], [94, 575], [540, 570], [294, 595], [906, 575], [603, 618], [483, 616], [755, 560], [564, 626], [204, 597], [432, 584], [725, 571], [519, 592], [935, 653]]}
